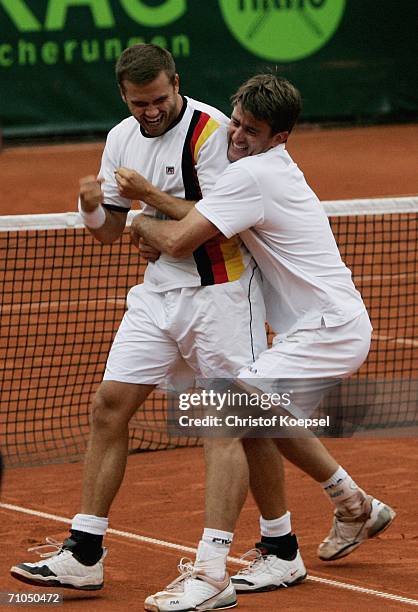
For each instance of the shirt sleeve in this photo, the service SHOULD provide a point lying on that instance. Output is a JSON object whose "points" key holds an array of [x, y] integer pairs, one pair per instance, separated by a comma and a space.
{"points": [[212, 159], [235, 204], [110, 162]]}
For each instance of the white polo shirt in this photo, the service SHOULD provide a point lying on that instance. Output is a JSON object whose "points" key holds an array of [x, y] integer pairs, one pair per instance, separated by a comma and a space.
{"points": [[266, 199], [185, 161]]}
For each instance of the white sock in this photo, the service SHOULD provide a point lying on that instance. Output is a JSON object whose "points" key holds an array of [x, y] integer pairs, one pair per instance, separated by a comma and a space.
{"points": [[276, 527], [89, 523], [335, 479], [344, 493], [212, 552]]}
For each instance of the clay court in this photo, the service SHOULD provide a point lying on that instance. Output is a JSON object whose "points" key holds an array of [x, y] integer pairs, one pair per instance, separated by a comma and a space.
{"points": [[158, 515]]}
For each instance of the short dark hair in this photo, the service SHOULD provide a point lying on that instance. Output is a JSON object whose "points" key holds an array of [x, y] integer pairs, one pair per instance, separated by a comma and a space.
{"points": [[143, 63], [270, 98]]}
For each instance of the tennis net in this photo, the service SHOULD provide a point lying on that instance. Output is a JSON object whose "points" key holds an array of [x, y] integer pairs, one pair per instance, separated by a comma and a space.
{"points": [[63, 296]]}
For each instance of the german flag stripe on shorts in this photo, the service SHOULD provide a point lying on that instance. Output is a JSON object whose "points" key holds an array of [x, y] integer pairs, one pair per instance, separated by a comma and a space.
{"points": [[218, 260]]}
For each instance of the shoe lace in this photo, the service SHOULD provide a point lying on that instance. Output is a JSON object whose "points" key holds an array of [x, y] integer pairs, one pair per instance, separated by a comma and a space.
{"points": [[259, 562], [50, 543], [186, 570]]}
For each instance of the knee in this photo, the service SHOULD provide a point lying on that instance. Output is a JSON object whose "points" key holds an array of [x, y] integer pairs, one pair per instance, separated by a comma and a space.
{"points": [[255, 446], [106, 413], [222, 446], [252, 444]]}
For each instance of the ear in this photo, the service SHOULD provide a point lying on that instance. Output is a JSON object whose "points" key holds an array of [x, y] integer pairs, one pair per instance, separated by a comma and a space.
{"points": [[176, 83], [122, 93], [279, 138]]}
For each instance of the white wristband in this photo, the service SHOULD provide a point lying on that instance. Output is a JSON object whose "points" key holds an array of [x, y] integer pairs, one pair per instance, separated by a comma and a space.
{"points": [[94, 219]]}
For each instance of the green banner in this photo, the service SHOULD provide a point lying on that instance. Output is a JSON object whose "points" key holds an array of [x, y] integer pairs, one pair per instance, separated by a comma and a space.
{"points": [[351, 59]]}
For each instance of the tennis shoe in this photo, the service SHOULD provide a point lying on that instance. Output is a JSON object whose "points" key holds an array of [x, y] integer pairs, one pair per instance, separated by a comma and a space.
{"points": [[348, 531], [60, 568], [193, 590], [267, 572]]}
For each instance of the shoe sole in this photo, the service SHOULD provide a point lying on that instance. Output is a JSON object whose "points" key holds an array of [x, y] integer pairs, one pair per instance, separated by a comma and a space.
{"points": [[344, 552], [270, 587], [155, 608], [54, 583]]}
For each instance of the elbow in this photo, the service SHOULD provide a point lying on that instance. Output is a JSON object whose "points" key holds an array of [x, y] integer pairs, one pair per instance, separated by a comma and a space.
{"points": [[107, 241], [104, 238]]}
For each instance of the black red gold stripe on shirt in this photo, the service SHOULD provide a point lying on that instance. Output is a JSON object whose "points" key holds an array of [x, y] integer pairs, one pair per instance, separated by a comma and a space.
{"points": [[218, 260]]}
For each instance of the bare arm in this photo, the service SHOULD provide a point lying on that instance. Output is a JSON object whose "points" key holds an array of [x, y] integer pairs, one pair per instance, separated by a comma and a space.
{"points": [[134, 186], [91, 198], [177, 238]]}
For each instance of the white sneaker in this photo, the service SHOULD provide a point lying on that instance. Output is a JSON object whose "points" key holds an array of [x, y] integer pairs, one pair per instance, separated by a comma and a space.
{"points": [[348, 532], [193, 590], [268, 572], [60, 569]]}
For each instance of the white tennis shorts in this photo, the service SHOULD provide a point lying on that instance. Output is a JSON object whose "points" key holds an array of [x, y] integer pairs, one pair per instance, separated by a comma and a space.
{"points": [[310, 361], [216, 330]]}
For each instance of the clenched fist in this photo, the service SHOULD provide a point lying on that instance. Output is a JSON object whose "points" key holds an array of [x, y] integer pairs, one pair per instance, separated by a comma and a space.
{"points": [[131, 184], [91, 195]]}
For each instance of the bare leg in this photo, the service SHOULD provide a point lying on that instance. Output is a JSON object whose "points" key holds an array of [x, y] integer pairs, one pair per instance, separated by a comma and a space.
{"points": [[105, 462], [227, 482], [266, 476], [310, 455]]}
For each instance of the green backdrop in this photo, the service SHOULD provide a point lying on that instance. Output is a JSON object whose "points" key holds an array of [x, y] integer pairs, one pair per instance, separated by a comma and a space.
{"points": [[351, 59]]}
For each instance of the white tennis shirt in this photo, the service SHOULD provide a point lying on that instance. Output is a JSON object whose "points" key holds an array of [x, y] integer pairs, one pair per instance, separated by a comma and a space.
{"points": [[266, 200], [185, 162]]}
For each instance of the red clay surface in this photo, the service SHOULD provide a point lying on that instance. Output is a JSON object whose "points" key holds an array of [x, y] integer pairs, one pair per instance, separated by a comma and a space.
{"points": [[162, 496], [346, 163]]}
